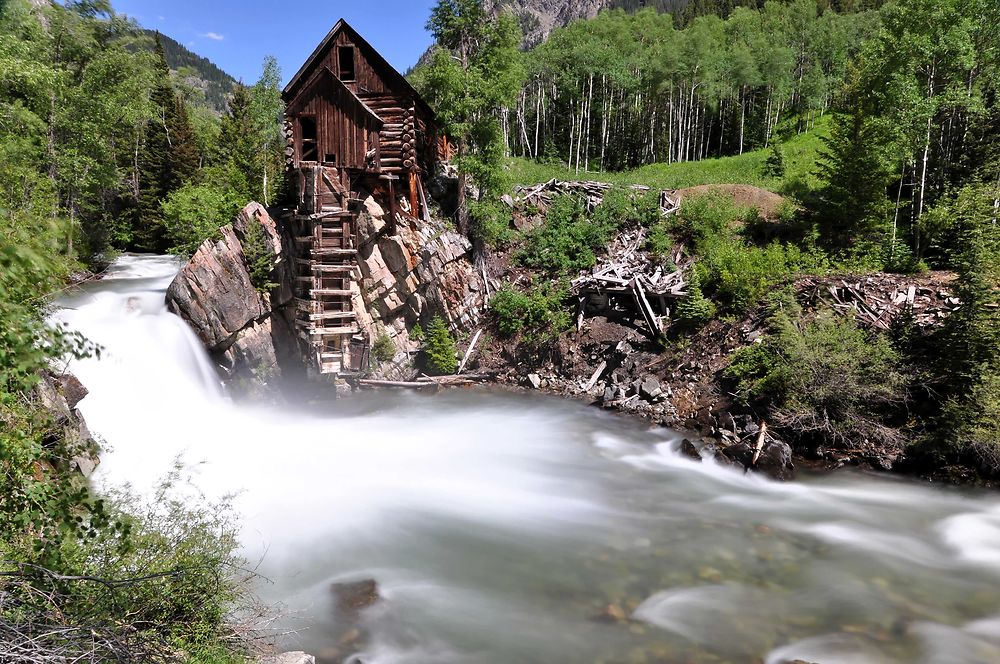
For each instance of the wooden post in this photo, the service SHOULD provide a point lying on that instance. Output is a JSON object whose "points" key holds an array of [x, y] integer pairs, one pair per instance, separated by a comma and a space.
{"points": [[414, 196], [392, 205]]}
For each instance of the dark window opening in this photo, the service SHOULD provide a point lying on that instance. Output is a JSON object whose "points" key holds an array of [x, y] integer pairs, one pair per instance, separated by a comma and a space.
{"points": [[310, 147], [330, 158], [346, 56]]}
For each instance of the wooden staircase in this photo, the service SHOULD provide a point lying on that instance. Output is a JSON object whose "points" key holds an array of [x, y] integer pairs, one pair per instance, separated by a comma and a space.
{"points": [[326, 238]]}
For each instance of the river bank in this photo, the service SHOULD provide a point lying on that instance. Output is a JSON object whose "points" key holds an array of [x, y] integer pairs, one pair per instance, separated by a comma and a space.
{"points": [[516, 526]]}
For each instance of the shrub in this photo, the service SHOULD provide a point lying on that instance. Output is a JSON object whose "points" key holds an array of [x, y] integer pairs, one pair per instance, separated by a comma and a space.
{"points": [[195, 213], [540, 311], [490, 222], [567, 241], [826, 378], [739, 275], [623, 208], [439, 350], [661, 243], [694, 309], [383, 350], [259, 257], [774, 165]]}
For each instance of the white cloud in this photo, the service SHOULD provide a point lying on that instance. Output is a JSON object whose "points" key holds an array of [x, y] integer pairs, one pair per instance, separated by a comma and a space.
{"points": [[162, 18], [214, 36]]}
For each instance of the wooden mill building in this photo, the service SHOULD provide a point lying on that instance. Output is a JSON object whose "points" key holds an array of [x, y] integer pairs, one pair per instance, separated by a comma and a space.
{"points": [[355, 127]]}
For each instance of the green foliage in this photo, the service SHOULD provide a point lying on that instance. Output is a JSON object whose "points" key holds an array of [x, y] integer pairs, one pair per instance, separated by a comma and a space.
{"points": [[602, 93], [567, 241], [971, 337], [195, 213], [624, 208], [737, 273], [854, 208], [259, 257], [490, 222], [694, 309], [439, 354], [383, 350], [168, 160], [824, 377], [474, 71], [540, 312], [774, 165], [251, 141]]}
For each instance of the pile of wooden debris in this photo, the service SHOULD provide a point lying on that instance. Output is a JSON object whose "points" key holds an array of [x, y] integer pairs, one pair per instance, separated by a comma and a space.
{"points": [[542, 195], [876, 300], [629, 277]]}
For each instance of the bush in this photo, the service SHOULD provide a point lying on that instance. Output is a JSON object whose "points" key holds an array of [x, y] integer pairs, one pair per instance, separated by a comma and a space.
{"points": [[774, 165], [195, 213], [171, 580], [739, 275], [540, 311], [661, 243], [694, 309], [259, 257], [490, 222], [439, 352], [567, 241], [825, 378], [624, 208], [383, 350]]}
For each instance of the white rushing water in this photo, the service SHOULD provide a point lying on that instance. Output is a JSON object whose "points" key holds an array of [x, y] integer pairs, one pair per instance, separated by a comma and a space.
{"points": [[500, 528]]}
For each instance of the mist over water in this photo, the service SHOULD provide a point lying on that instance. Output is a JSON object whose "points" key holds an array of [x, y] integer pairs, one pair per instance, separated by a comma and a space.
{"points": [[506, 528]]}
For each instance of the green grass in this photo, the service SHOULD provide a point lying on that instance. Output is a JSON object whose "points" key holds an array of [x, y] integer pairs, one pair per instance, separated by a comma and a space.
{"points": [[801, 153]]}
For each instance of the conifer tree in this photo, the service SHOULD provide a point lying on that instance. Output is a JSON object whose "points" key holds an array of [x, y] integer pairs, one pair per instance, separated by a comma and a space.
{"points": [[854, 207], [169, 157], [236, 144]]}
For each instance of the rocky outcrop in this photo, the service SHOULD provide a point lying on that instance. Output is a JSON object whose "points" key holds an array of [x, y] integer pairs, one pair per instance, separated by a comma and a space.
{"points": [[250, 334], [59, 395], [538, 18], [409, 274]]}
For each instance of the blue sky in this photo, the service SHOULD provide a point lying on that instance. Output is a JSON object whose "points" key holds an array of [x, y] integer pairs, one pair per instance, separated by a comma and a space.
{"points": [[236, 35]]}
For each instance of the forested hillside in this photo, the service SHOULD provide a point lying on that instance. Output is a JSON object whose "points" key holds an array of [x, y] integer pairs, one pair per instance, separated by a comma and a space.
{"points": [[102, 150], [878, 122], [213, 85]]}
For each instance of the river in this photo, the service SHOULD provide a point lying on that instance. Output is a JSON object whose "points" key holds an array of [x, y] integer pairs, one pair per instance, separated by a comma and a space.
{"points": [[517, 528]]}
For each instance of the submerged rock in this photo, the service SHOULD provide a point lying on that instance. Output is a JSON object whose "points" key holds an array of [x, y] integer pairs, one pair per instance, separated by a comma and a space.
{"points": [[775, 459], [355, 596]]}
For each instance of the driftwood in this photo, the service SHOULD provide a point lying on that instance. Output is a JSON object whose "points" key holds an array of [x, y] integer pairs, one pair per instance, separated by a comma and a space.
{"points": [[876, 300], [468, 353], [759, 447], [597, 374], [593, 191]]}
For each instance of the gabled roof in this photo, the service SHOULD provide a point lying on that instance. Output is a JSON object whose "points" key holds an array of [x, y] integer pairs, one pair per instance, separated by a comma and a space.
{"points": [[325, 73], [373, 55]]}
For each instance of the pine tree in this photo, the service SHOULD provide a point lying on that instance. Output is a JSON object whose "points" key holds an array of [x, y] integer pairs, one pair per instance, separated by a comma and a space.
{"points": [[439, 351], [236, 143], [972, 334], [168, 159], [854, 207]]}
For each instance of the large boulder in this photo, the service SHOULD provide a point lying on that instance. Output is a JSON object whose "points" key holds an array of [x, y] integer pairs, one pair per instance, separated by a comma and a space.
{"points": [[247, 332]]}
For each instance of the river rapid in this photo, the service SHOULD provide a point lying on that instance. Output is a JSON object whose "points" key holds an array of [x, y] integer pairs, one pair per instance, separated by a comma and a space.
{"points": [[517, 528]]}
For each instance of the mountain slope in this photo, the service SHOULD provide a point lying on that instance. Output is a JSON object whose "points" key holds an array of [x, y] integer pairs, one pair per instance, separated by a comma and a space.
{"points": [[541, 17], [197, 72]]}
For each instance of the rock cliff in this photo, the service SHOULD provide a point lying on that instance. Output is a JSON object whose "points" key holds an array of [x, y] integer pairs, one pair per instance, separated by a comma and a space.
{"points": [[249, 334], [409, 274]]}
